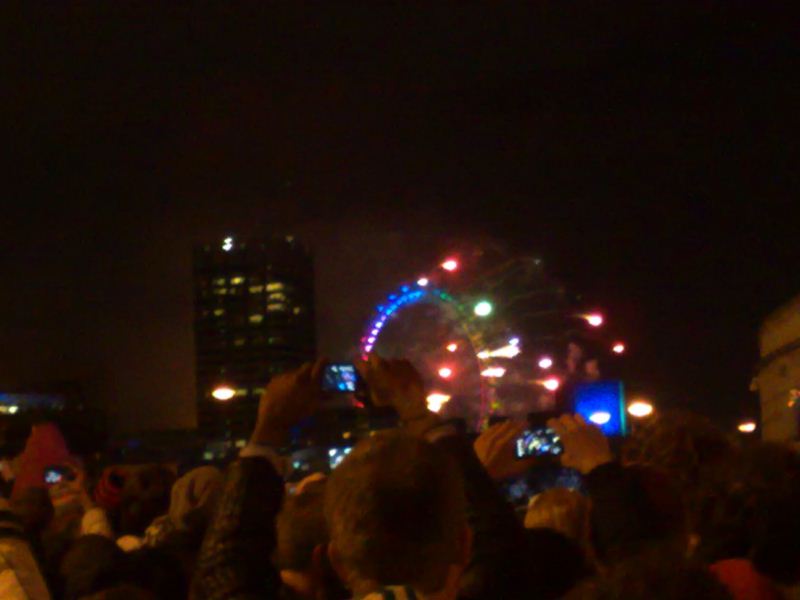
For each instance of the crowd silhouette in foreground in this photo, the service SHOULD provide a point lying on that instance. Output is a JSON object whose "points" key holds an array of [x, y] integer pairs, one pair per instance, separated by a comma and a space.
{"points": [[681, 511]]}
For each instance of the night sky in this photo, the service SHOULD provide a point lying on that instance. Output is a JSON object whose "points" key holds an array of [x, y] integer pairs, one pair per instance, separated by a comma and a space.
{"points": [[649, 156]]}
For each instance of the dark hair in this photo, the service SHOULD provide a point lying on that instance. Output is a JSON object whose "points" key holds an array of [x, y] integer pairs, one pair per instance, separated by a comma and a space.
{"points": [[146, 495], [655, 515], [653, 575], [301, 527], [395, 510], [554, 564]]}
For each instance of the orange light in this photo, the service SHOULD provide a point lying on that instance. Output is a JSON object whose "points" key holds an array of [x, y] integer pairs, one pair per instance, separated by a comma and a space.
{"points": [[640, 409], [747, 427], [618, 348], [435, 401]]}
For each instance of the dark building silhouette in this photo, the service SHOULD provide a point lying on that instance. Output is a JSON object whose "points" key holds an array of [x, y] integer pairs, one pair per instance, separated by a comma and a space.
{"points": [[254, 318]]}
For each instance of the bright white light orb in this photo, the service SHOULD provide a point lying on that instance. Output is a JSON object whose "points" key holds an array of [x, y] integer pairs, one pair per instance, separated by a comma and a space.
{"points": [[551, 384], [493, 372], [747, 427], [618, 348], [452, 347], [450, 264], [422, 281], [436, 400], [545, 362], [223, 393], [483, 308], [227, 244], [640, 409], [445, 372], [595, 319], [600, 417]]}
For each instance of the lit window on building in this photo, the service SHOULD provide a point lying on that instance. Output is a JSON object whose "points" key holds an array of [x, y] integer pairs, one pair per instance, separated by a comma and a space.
{"points": [[219, 281], [238, 280], [277, 296], [238, 342], [241, 443], [256, 318], [258, 391], [218, 312], [275, 286], [297, 310], [220, 291], [256, 289], [276, 307], [241, 392]]}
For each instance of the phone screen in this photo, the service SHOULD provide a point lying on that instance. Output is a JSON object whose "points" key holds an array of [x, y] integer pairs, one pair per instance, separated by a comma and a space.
{"points": [[340, 377], [542, 441], [337, 455], [52, 476]]}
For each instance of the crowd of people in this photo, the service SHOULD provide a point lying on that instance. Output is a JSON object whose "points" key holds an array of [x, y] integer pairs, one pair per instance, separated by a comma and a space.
{"points": [[680, 510]]}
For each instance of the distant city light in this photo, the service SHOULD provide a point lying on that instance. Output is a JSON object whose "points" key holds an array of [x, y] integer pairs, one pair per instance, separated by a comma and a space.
{"points": [[594, 319], [618, 348], [545, 362], [452, 347], [483, 308], [513, 341], [436, 400], [483, 354], [422, 281], [445, 372], [551, 384], [640, 409], [600, 417], [223, 393], [450, 264], [493, 372], [747, 427], [227, 244]]}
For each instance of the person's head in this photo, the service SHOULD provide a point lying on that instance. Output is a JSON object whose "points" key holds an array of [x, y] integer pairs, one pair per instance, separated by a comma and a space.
{"points": [[395, 510], [146, 495], [561, 509], [554, 564], [653, 576], [655, 517], [302, 540]]}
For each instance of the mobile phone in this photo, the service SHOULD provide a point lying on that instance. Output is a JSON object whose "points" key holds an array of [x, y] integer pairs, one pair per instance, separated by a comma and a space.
{"points": [[340, 378], [57, 473], [541, 441], [336, 455]]}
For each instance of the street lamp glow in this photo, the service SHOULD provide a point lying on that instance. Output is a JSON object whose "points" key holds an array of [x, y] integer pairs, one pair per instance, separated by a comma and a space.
{"points": [[618, 348], [513, 341], [594, 319], [422, 281], [483, 308], [483, 354], [452, 347], [493, 372], [445, 372], [450, 264], [600, 417], [545, 362], [747, 427], [552, 384], [435, 401], [223, 393], [640, 409]]}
